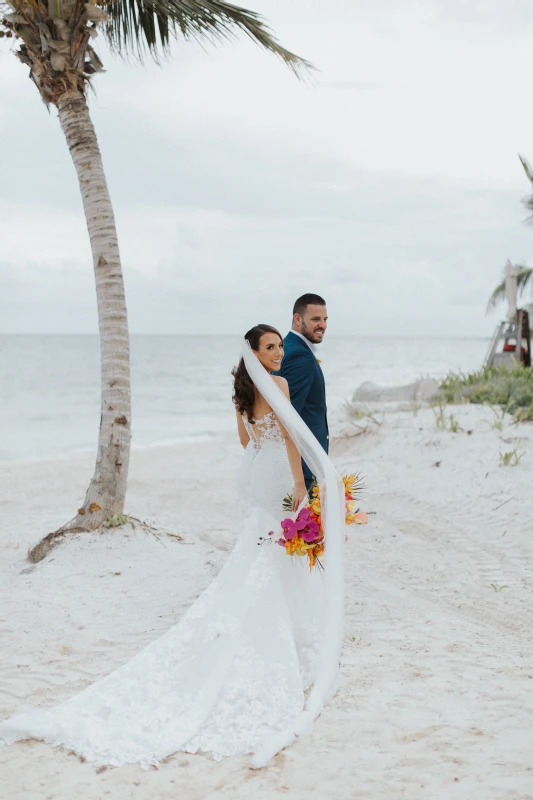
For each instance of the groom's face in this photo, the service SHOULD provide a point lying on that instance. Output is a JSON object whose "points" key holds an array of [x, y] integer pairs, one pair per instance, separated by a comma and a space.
{"points": [[313, 323]]}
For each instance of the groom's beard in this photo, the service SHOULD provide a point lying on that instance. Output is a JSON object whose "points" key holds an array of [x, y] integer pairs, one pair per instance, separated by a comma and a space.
{"points": [[311, 334]]}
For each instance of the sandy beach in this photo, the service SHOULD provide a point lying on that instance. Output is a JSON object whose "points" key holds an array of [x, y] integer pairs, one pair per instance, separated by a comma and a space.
{"points": [[437, 668]]}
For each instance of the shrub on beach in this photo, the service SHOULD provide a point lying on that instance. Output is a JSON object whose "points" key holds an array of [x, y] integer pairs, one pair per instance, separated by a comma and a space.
{"points": [[510, 387]]}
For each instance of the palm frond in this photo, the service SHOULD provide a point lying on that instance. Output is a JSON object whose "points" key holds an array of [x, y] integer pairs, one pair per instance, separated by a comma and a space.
{"points": [[528, 201], [498, 296], [527, 168], [138, 27], [524, 280]]}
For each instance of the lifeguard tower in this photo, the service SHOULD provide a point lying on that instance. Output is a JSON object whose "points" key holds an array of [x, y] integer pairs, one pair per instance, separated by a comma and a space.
{"points": [[512, 339]]}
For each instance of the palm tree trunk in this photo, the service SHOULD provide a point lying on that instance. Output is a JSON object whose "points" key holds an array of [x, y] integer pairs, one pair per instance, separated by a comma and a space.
{"points": [[107, 490]]}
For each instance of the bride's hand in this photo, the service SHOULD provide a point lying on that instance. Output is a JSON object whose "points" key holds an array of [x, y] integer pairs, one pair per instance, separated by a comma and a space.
{"points": [[298, 494]]}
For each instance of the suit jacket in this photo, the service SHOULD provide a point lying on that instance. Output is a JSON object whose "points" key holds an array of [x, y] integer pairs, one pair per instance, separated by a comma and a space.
{"points": [[307, 388]]}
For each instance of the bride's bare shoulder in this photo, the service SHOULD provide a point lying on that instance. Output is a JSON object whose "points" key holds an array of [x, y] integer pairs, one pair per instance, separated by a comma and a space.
{"points": [[282, 383]]}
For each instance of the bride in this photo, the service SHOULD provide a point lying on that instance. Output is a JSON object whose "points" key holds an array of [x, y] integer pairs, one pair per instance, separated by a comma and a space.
{"points": [[232, 676]]}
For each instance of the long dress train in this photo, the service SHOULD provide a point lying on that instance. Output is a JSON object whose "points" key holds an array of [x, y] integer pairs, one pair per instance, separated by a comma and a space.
{"points": [[232, 673]]}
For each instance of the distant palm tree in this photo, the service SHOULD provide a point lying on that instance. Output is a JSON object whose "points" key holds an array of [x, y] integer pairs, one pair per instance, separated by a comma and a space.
{"points": [[524, 275], [524, 279], [55, 40]]}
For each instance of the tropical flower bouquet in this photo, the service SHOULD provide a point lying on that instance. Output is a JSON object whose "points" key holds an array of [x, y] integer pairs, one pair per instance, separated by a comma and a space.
{"points": [[304, 535]]}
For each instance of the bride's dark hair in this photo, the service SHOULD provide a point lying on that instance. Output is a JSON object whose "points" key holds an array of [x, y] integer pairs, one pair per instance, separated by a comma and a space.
{"points": [[243, 387]]}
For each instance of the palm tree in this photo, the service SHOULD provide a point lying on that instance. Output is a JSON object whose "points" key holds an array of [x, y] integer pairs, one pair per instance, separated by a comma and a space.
{"points": [[524, 275], [54, 38], [524, 279]]}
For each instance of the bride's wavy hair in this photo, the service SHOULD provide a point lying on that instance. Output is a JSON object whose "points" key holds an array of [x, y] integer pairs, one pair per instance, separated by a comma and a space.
{"points": [[243, 387]]}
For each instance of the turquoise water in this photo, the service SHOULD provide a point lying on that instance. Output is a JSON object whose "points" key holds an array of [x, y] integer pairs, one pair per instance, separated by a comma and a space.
{"points": [[181, 385]]}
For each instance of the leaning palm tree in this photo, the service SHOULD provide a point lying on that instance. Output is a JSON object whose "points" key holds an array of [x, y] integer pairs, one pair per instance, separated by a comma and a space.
{"points": [[54, 38], [521, 274]]}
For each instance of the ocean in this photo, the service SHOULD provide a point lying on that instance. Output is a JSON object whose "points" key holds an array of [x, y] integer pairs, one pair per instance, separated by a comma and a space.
{"points": [[181, 385]]}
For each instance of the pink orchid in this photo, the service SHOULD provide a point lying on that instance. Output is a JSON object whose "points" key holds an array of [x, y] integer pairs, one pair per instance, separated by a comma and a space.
{"points": [[310, 532], [302, 519], [290, 528]]}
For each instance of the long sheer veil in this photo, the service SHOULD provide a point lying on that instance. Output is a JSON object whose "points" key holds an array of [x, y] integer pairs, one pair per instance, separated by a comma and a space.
{"points": [[332, 503], [161, 700]]}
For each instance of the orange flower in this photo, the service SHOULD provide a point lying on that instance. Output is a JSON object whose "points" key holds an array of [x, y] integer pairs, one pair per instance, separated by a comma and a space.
{"points": [[361, 518]]}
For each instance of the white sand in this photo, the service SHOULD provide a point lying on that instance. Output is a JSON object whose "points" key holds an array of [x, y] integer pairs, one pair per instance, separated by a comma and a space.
{"points": [[437, 677]]}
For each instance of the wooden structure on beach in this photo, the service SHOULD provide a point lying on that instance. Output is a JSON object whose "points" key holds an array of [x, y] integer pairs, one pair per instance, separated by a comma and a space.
{"points": [[511, 342]]}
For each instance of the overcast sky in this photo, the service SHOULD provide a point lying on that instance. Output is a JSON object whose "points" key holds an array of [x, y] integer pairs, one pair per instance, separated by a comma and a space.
{"points": [[390, 183]]}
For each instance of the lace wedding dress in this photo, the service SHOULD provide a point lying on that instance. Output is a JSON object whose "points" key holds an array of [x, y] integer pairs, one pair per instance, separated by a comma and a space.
{"points": [[230, 677]]}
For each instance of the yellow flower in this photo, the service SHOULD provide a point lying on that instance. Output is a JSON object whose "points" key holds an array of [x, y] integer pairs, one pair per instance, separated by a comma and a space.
{"points": [[296, 546], [315, 505], [361, 518], [291, 546], [352, 483]]}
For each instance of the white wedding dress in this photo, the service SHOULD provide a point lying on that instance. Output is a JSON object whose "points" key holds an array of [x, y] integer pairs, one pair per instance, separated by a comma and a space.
{"points": [[232, 672], [230, 677]]}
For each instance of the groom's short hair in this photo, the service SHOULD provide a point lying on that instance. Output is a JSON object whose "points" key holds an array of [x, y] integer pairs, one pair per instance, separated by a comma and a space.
{"points": [[305, 300]]}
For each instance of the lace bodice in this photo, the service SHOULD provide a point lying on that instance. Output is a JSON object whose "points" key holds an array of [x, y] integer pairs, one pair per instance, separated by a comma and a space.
{"points": [[264, 429]]}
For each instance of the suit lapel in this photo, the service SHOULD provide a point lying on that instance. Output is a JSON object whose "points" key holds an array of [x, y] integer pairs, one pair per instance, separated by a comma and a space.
{"points": [[297, 342], [322, 379]]}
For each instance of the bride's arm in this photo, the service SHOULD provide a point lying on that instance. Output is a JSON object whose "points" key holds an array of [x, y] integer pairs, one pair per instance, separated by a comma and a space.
{"points": [[243, 434], [295, 461]]}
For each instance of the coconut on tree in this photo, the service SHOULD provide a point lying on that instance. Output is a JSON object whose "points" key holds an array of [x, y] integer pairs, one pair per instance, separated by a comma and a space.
{"points": [[55, 40]]}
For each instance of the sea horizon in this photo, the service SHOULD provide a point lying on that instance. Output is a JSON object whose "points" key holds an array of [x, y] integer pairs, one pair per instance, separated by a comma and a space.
{"points": [[181, 384]]}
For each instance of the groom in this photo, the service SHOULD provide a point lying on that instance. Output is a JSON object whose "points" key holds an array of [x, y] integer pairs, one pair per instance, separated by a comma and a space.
{"points": [[302, 370]]}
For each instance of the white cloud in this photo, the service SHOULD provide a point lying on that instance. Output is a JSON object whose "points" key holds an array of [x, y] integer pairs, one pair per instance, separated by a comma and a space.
{"points": [[390, 183], [435, 92]]}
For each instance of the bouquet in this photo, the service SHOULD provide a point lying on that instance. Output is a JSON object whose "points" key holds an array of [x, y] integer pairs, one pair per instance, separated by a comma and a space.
{"points": [[304, 536]]}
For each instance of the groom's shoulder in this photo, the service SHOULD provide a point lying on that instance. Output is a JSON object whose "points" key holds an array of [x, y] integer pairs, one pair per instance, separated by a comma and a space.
{"points": [[294, 346], [296, 358], [293, 342]]}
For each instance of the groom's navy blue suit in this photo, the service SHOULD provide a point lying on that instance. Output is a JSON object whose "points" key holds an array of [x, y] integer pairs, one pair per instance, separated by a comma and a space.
{"points": [[308, 390]]}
